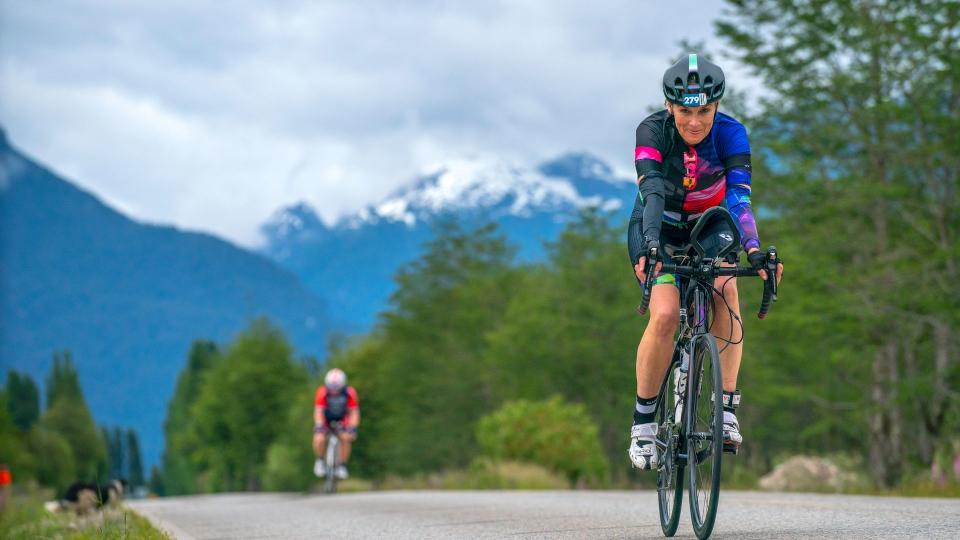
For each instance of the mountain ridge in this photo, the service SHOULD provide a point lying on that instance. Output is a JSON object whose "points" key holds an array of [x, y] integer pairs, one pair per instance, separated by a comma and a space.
{"points": [[127, 298]]}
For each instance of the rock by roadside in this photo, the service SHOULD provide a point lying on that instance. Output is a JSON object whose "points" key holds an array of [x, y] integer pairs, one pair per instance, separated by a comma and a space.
{"points": [[807, 473]]}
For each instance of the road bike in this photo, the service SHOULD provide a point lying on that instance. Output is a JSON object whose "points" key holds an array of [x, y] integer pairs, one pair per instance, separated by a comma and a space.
{"points": [[689, 411], [332, 457]]}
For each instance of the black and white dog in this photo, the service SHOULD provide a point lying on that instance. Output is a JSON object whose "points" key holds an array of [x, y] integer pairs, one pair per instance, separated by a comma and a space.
{"points": [[84, 497]]}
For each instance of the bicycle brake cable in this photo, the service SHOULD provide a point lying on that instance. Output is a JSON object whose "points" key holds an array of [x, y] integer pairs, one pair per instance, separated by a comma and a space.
{"points": [[732, 314]]}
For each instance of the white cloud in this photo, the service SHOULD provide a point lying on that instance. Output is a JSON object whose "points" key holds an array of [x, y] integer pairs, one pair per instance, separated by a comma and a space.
{"points": [[212, 115]]}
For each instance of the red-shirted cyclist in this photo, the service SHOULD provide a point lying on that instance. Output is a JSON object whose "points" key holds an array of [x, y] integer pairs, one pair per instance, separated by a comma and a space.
{"points": [[335, 402]]}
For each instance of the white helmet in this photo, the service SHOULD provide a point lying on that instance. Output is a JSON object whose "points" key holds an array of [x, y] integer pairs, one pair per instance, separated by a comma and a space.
{"points": [[336, 379]]}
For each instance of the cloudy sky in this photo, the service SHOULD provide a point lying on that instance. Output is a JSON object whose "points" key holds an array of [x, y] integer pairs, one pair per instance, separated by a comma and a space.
{"points": [[211, 115]]}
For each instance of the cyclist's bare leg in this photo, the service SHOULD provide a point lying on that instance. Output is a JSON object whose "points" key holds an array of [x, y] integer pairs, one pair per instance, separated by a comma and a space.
{"points": [[725, 329], [346, 440], [656, 345], [319, 444]]}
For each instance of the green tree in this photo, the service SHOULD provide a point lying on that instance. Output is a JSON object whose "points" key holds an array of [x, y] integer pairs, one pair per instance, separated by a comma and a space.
{"points": [[428, 378], [858, 124], [67, 415], [55, 463], [23, 399], [113, 440], [242, 407], [134, 464], [290, 457], [557, 435], [178, 474], [63, 381], [571, 329], [14, 450], [156, 484]]}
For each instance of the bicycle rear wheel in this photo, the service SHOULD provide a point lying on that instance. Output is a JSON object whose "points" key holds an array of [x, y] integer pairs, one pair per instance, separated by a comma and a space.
{"points": [[670, 470], [705, 435]]}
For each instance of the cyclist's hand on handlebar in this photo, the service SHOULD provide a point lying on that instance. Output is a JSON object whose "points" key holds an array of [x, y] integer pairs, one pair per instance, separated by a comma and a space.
{"points": [[757, 260], [640, 269]]}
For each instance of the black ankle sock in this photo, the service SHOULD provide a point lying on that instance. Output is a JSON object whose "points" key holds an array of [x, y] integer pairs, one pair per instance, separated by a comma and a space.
{"points": [[645, 411]]}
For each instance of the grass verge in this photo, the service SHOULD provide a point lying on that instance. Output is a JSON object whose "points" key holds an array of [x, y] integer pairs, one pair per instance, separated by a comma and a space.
{"points": [[915, 488], [482, 474], [25, 518]]}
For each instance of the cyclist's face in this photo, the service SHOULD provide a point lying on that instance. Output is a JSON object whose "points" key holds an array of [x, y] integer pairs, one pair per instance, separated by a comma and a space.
{"points": [[693, 123]]}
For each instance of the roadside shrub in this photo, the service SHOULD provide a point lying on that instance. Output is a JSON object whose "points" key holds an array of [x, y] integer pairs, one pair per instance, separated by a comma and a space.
{"points": [[486, 474], [557, 435], [289, 467], [56, 466]]}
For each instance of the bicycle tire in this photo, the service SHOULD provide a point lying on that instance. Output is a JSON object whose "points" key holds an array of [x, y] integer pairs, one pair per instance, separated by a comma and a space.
{"points": [[705, 434], [333, 449], [670, 471]]}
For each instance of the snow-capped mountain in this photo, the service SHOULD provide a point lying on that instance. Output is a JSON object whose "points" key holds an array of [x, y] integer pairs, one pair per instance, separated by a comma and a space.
{"points": [[344, 263], [469, 185]]}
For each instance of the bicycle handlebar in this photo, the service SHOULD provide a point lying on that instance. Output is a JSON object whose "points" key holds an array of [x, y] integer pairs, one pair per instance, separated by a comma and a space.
{"points": [[708, 270]]}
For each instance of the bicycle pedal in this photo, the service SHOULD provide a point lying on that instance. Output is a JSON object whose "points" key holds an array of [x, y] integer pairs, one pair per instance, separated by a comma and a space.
{"points": [[730, 449]]}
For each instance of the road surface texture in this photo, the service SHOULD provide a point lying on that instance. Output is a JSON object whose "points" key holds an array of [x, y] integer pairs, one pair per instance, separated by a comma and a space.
{"points": [[542, 514]]}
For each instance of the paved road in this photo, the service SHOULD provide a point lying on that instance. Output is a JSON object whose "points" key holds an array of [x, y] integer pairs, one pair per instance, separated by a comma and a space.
{"points": [[564, 514]]}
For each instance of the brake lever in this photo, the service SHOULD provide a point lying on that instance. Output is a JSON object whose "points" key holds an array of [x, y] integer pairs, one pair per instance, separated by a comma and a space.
{"points": [[651, 265], [772, 262]]}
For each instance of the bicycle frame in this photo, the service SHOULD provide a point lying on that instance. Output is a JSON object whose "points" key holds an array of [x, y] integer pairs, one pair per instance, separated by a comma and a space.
{"points": [[333, 447], [332, 457], [688, 332]]}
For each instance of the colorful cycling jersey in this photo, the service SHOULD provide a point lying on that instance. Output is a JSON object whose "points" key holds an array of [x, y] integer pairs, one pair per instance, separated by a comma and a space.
{"points": [[336, 406], [690, 179]]}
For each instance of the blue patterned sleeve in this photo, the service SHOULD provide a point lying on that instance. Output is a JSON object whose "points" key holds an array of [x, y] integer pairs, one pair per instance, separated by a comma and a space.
{"points": [[735, 154], [737, 199]]}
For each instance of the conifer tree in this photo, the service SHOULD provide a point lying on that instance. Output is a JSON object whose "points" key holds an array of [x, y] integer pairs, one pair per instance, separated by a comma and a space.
{"points": [[67, 415], [134, 464], [23, 399]]}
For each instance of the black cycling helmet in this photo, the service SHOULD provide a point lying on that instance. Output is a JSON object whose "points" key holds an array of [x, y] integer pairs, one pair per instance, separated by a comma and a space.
{"points": [[693, 82]]}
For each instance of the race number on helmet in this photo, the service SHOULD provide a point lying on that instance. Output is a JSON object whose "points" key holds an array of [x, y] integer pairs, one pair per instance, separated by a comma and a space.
{"points": [[693, 82]]}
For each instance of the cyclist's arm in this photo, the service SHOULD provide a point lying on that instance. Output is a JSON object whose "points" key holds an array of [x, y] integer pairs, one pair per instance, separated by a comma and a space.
{"points": [[737, 199], [353, 408], [636, 246], [319, 405], [736, 161], [648, 161]]}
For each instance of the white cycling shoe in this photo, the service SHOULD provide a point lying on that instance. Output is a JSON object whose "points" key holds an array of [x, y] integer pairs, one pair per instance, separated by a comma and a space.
{"points": [[319, 468], [643, 446], [341, 472], [731, 433]]}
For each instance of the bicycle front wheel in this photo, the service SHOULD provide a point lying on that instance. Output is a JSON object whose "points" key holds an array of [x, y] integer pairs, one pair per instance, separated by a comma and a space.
{"points": [[333, 459], [670, 469], [705, 433]]}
